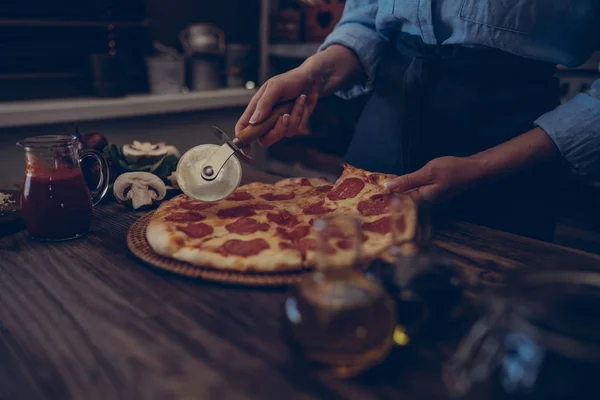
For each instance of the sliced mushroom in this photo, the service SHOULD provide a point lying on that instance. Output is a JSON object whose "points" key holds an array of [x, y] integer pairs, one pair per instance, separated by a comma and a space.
{"points": [[172, 151], [139, 189], [173, 180], [143, 153]]}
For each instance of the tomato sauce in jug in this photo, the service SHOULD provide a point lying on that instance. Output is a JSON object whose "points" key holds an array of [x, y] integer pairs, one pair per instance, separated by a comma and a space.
{"points": [[55, 203]]}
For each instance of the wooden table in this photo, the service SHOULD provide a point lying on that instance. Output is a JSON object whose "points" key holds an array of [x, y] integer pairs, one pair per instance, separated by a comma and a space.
{"points": [[85, 320]]}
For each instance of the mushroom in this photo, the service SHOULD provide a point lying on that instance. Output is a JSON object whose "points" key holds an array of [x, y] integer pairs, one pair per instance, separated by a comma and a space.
{"points": [[173, 180], [143, 153], [139, 189], [172, 151]]}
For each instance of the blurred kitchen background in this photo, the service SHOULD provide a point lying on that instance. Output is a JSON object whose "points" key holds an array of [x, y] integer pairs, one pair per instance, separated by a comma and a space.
{"points": [[157, 70]]}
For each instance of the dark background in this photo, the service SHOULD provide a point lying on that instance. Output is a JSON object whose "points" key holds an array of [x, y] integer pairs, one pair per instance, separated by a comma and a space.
{"points": [[45, 45]]}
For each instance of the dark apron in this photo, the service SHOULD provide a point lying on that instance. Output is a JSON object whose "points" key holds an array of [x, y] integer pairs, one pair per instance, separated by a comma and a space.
{"points": [[433, 101]]}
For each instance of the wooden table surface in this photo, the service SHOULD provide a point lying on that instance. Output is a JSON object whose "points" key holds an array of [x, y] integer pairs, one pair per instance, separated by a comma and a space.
{"points": [[85, 320]]}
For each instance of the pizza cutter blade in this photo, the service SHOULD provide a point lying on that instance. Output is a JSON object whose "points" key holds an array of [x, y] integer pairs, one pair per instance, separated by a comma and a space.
{"points": [[211, 172]]}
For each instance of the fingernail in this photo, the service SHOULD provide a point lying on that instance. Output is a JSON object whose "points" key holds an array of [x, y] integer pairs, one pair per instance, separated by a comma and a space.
{"points": [[387, 185], [302, 99], [255, 117], [286, 119]]}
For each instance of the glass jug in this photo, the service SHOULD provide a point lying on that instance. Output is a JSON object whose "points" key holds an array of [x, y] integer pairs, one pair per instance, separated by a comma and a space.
{"points": [[56, 203], [427, 287]]}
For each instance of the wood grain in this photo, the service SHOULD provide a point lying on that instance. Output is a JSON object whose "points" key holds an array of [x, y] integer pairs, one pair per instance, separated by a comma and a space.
{"points": [[85, 320]]}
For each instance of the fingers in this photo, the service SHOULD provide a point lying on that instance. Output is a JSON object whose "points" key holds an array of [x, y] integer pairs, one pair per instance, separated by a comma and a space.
{"points": [[410, 181], [277, 133], [287, 125], [266, 102], [244, 120], [311, 103], [428, 194], [296, 115]]}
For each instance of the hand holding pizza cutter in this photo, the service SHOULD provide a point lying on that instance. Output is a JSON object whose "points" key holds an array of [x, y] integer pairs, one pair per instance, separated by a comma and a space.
{"points": [[208, 172]]}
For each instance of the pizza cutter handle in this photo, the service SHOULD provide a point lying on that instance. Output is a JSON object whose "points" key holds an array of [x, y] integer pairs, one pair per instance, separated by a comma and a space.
{"points": [[253, 132]]}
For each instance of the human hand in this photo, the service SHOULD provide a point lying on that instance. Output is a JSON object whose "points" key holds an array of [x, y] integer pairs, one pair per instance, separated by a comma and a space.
{"points": [[319, 75], [445, 177], [300, 84], [440, 179]]}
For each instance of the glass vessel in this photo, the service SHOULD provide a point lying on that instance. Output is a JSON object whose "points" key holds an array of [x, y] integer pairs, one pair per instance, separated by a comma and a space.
{"points": [[337, 320], [424, 283], [56, 203], [539, 339]]}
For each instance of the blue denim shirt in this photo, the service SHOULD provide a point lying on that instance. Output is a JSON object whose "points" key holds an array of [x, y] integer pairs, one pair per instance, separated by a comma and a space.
{"points": [[558, 31]]}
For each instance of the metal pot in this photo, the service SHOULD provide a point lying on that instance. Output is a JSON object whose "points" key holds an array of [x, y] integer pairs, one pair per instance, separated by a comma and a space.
{"points": [[199, 39]]}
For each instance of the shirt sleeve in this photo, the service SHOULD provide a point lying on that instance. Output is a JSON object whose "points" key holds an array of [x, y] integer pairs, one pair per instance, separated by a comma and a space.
{"points": [[356, 30], [575, 129]]}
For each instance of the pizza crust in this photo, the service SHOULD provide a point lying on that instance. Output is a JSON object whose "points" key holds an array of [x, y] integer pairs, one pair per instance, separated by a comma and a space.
{"points": [[160, 239]]}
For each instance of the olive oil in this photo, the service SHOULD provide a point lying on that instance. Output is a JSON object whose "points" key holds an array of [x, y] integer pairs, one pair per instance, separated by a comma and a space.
{"points": [[341, 325], [338, 321]]}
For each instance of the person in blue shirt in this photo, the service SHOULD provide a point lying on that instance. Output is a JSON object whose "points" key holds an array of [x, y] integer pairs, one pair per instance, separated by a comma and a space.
{"points": [[463, 103]]}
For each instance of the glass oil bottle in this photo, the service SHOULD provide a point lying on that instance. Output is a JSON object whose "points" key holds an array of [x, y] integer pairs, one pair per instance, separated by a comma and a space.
{"points": [[425, 285], [337, 320]]}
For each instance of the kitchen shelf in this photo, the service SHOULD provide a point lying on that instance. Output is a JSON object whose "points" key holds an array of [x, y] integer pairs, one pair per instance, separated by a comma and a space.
{"points": [[42, 75], [55, 23], [40, 112], [293, 50]]}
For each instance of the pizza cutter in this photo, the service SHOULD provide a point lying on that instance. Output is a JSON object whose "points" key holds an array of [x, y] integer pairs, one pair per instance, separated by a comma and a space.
{"points": [[210, 172]]}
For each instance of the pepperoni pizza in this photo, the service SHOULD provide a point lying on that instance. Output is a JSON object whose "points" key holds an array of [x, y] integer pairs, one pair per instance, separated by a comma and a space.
{"points": [[268, 227]]}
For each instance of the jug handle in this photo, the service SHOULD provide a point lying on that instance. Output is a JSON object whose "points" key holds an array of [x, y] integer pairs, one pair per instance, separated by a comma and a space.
{"points": [[102, 187]]}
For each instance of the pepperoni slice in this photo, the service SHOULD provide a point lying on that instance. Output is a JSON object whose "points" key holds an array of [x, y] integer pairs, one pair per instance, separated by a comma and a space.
{"points": [[305, 182], [278, 197], [245, 248], [296, 234], [246, 226], [344, 244], [275, 218], [383, 225], [240, 195], [188, 216], [324, 188], [306, 244], [236, 212], [377, 205], [261, 206], [196, 205], [347, 189], [196, 230], [317, 209], [284, 218]]}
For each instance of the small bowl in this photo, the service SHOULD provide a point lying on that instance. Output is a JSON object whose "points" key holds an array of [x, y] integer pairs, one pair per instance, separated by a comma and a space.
{"points": [[10, 215]]}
